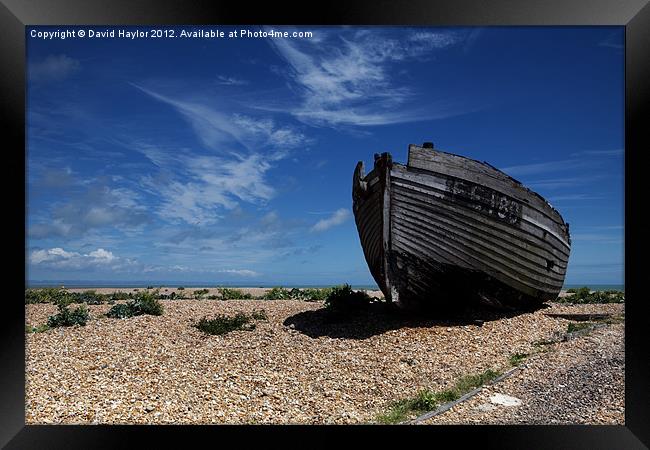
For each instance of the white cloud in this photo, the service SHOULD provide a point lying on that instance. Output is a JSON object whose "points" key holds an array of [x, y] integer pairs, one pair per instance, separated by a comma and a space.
{"points": [[240, 272], [53, 68], [59, 258], [104, 260], [208, 184], [337, 218], [102, 255], [345, 79], [39, 256]]}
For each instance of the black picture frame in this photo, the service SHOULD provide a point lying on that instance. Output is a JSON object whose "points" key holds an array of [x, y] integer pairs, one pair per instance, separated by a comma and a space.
{"points": [[634, 15]]}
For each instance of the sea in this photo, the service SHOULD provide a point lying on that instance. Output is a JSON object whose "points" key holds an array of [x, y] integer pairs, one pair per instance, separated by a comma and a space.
{"points": [[205, 284]]}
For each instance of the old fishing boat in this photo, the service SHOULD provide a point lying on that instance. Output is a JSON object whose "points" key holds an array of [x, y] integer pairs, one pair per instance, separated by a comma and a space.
{"points": [[444, 230]]}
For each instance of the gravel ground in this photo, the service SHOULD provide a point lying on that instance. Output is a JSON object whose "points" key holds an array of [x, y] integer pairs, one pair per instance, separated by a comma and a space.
{"points": [[581, 381], [296, 367]]}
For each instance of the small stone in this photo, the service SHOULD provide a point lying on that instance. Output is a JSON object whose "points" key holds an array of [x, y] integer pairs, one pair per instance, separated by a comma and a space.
{"points": [[505, 400]]}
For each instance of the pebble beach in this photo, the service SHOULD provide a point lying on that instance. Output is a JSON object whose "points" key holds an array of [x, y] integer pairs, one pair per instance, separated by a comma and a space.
{"points": [[296, 367]]}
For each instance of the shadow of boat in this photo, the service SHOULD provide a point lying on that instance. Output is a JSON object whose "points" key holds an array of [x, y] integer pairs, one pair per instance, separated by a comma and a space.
{"points": [[380, 317]]}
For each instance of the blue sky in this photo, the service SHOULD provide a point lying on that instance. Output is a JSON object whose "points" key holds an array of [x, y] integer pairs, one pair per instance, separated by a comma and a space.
{"points": [[231, 160]]}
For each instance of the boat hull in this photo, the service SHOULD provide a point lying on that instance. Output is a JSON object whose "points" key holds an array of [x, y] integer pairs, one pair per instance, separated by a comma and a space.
{"points": [[444, 231]]}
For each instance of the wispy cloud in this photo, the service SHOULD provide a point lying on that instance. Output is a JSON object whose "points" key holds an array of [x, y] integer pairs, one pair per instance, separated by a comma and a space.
{"points": [[213, 127], [301, 251], [231, 81], [597, 237], [250, 239], [203, 185], [344, 78], [551, 166], [564, 182], [218, 130], [265, 130], [613, 152], [53, 68], [471, 40], [584, 159], [614, 40], [570, 197], [337, 218]]}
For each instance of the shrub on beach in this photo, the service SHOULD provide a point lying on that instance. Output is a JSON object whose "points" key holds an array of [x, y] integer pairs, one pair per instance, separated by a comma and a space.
{"points": [[120, 311], [315, 294], [307, 294], [60, 295], [89, 297], [120, 295], [198, 294], [170, 296], [45, 295], [277, 293], [584, 295], [259, 314], [66, 317], [233, 294], [142, 303], [223, 324], [343, 300]]}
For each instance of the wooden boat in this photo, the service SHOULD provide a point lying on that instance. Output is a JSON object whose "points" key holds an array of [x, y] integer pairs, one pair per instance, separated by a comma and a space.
{"points": [[445, 230]]}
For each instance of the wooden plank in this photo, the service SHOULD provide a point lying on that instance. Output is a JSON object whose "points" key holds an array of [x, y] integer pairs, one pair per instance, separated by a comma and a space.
{"points": [[366, 205], [384, 164], [422, 185], [495, 249], [538, 253], [480, 173], [477, 259], [438, 185]]}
